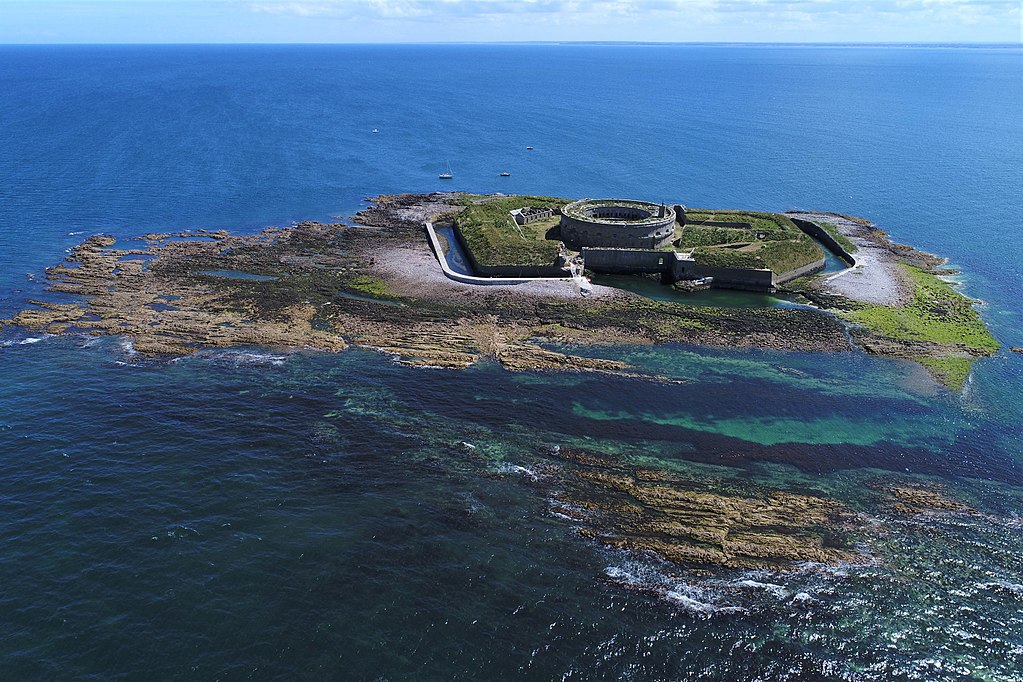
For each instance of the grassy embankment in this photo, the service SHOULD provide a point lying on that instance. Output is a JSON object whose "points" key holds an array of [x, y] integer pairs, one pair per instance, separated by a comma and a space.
{"points": [[781, 245], [937, 314], [494, 239]]}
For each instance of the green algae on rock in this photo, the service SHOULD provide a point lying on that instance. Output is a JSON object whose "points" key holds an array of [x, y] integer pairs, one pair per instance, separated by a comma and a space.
{"points": [[902, 308]]}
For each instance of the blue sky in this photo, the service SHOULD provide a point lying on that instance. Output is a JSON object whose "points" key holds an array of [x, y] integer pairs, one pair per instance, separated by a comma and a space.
{"points": [[358, 21]]}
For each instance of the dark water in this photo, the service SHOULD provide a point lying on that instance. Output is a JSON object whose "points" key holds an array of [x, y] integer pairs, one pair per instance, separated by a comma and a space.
{"points": [[254, 514]]}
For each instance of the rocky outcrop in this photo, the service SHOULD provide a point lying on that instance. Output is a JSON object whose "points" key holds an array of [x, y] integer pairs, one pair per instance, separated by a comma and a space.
{"points": [[695, 524], [326, 286], [910, 499]]}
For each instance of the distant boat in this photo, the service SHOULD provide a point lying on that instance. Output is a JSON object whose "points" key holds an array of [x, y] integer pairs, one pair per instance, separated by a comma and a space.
{"points": [[375, 130], [505, 174], [528, 147], [448, 175]]}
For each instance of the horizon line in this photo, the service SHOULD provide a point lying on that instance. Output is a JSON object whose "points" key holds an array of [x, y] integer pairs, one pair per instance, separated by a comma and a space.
{"points": [[885, 43]]}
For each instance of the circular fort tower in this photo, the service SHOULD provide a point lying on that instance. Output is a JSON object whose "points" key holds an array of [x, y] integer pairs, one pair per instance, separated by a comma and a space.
{"points": [[617, 223]]}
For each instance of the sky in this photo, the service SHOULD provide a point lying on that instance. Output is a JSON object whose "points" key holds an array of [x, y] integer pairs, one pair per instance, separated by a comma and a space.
{"points": [[399, 21]]}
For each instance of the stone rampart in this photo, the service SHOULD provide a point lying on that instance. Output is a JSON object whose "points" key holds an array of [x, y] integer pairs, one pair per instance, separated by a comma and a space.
{"points": [[799, 272], [627, 261], [438, 251], [748, 279], [825, 238], [673, 267], [556, 269]]}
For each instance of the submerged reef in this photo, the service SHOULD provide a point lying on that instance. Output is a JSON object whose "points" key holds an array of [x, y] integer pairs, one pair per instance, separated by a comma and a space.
{"points": [[378, 284], [702, 523], [692, 523]]}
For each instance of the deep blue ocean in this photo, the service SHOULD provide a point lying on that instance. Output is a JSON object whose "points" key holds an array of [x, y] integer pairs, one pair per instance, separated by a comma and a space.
{"points": [[267, 514]]}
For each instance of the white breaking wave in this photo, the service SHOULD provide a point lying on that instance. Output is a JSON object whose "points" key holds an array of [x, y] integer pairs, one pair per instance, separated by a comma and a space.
{"points": [[776, 591], [507, 468], [691, 598], [23, 342]]}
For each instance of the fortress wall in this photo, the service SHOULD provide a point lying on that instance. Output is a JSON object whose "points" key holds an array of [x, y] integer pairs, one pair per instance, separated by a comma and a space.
{"points": [[825, 238], [620, 261], [799, 272], [731, 278], [576, 232], [626, 225], [617, 213], [516, 271], [469, 279]]}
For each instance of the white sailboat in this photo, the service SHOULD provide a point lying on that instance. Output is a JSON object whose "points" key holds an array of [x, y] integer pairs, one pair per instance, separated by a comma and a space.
{"points": [[448, 175]]}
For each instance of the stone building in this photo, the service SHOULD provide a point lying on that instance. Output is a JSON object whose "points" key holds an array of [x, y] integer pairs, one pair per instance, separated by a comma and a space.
{"points": [[529, 214]]}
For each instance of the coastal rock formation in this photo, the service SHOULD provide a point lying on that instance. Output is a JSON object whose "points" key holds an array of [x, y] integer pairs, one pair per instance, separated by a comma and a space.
{"points": [[897, 303], [911, 499], [378, 285], [326, 286], [692, 523]]}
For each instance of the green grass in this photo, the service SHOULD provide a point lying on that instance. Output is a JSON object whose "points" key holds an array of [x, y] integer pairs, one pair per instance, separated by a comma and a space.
{"points": [[844, 241], [782, 247], [951, 370], [696, 235], [706, 255], [937, 314], [494, 239], [760, 221], [788, 254]]}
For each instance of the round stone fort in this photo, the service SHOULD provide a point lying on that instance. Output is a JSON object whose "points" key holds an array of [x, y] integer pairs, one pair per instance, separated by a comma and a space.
{"points": [[617, 223]]}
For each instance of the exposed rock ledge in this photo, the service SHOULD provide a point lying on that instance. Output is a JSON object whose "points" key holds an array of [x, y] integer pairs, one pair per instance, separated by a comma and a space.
{"points": [[327, 286], [377, 285]]}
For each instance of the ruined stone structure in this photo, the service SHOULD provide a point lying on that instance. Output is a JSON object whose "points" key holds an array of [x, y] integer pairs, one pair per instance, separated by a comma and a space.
{"points": [[529, 214], [617, 223]]}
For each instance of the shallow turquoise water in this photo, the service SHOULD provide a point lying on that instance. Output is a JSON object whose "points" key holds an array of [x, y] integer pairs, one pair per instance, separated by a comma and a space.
{"points": [[260, 514]]}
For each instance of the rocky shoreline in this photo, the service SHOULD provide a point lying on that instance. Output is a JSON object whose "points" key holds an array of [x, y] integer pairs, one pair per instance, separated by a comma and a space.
{"points": [[377, 284], [702, 523]]}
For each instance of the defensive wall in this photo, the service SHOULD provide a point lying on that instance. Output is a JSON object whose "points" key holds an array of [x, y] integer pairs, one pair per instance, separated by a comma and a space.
{"points": [[825, 238], [674, 267], [556, 269], [438, 251], [617, 223], [799, 272]]}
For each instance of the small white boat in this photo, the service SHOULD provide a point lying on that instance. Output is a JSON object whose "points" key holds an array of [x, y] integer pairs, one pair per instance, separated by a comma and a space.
{"points": [[375, 130], [528, 147], [505, 174], [448, 175]]}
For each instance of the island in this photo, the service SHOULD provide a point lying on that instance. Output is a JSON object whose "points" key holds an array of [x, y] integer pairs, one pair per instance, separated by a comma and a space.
{"points": [[445, 279]]}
